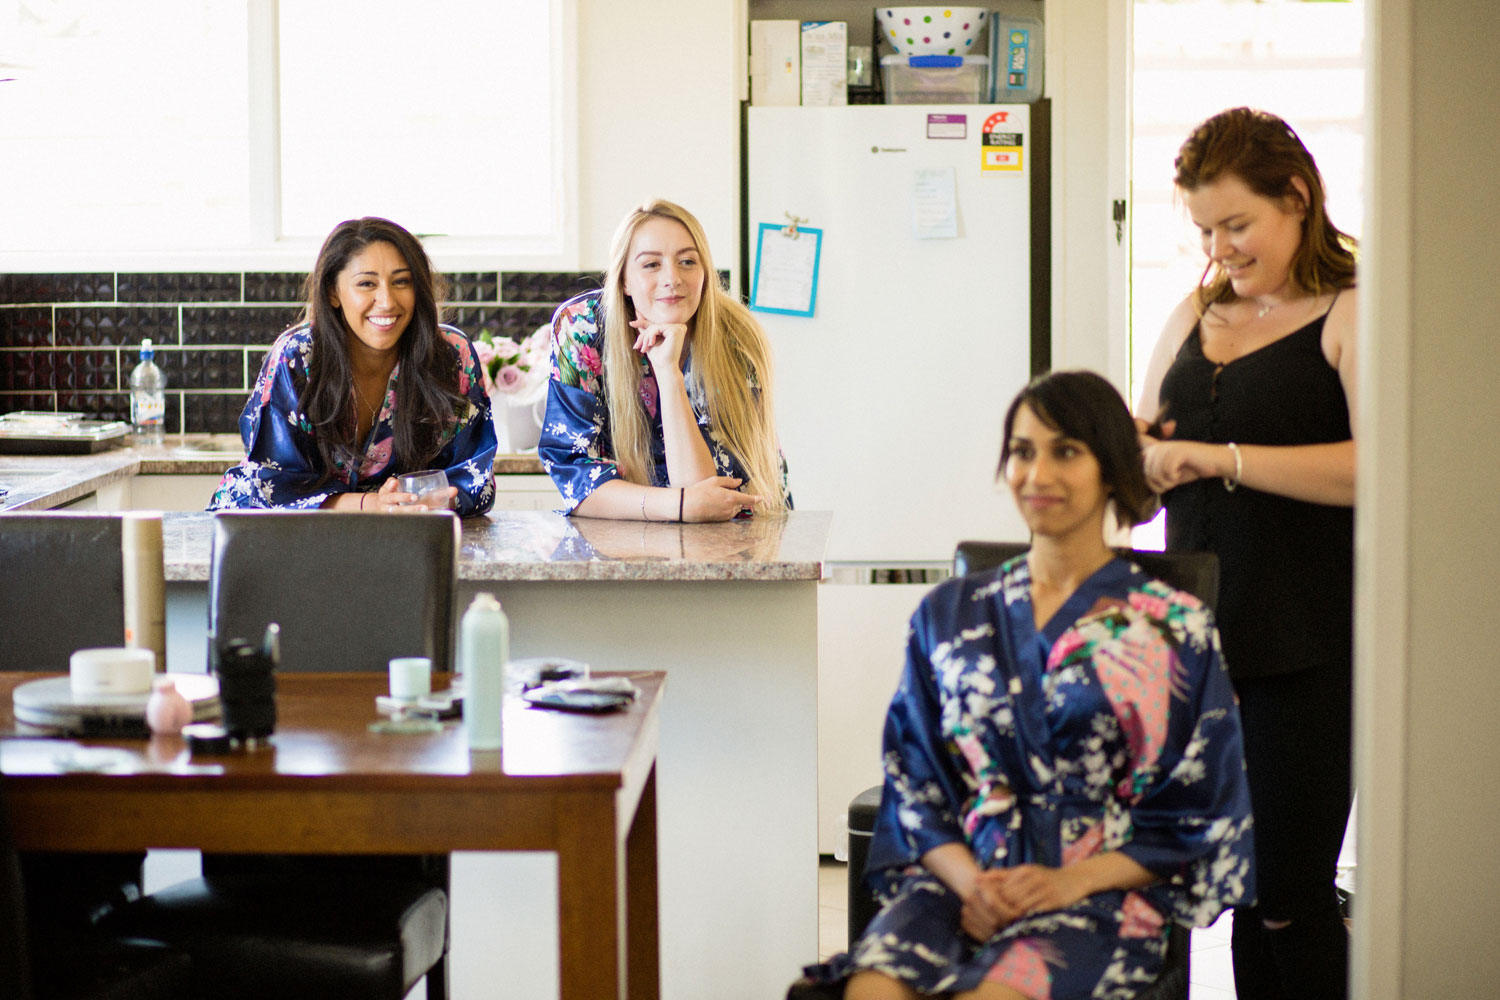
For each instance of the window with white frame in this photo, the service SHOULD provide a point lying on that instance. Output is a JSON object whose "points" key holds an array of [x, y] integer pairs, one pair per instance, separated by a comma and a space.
{"points": [[214, 125]]}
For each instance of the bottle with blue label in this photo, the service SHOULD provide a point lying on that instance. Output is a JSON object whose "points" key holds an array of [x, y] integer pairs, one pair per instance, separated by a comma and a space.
{"points": [[1016, 64], [148, 398]]}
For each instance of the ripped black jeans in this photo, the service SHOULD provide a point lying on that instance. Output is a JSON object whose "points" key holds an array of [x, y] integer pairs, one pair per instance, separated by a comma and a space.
{"points": [[1298, 732]]}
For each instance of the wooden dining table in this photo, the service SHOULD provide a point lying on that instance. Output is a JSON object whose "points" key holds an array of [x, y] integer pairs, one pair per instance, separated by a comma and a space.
{"points": [[580, 785]]}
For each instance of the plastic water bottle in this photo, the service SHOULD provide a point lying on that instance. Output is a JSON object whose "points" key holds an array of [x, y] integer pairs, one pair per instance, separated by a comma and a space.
{"points": [[483, 649], [148, 398]]}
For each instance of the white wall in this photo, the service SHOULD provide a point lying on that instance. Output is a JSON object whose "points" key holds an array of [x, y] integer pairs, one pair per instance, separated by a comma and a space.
{"points": [[659, 85], [1088, 49], [1428, 556]]}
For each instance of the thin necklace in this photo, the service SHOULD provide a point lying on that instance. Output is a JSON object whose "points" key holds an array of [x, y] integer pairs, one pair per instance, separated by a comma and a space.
{"points": [[1265, 309], [374, 410]]}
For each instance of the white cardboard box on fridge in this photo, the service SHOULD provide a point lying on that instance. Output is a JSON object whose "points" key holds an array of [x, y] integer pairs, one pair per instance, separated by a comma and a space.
{"points": [[825, 63], [775, 63]]}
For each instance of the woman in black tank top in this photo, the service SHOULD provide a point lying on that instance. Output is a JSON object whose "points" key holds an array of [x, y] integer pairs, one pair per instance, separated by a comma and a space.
{"points": [[1247, 432]]}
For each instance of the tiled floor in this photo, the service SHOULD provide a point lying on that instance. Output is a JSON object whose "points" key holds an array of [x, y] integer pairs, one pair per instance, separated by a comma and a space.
{"points": [[1212, 976]]}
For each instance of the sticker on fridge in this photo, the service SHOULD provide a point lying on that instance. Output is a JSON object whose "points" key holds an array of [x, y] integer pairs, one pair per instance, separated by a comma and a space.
{"points": [[1001, 146], [947, 126]]}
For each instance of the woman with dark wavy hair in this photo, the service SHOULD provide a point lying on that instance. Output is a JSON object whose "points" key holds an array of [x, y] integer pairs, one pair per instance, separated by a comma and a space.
{"points": [[1248, 413], [370, 385], [1063, 776]]}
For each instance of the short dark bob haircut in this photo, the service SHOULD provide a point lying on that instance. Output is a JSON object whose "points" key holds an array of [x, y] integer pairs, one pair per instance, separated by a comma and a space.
{"points": [[1084, 406]]}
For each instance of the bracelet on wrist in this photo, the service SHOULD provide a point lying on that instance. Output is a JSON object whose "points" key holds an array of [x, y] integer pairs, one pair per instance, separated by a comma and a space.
{"points": [[1231, 485], [681, 501], [644, 491]]}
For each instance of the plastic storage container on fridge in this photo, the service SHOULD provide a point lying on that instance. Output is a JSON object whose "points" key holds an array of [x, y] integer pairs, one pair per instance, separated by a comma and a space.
{"points": [[935, 79], [1016, 52]]}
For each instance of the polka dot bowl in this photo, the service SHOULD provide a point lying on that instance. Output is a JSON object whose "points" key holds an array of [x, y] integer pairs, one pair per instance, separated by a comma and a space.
{"points": [[933, 31]]}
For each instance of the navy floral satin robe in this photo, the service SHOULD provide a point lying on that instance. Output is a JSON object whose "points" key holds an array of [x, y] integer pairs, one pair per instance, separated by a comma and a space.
{"points": [[576, 448], [1114, 727], [282, 467]]}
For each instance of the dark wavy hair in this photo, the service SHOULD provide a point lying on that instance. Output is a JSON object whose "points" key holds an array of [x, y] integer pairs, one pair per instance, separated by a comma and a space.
{"points": [[1264, 152], [427, 395], [1084, 406]]}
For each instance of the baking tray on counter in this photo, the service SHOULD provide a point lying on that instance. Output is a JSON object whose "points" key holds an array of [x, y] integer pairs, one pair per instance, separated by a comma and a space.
{"points": [[33, 432]]}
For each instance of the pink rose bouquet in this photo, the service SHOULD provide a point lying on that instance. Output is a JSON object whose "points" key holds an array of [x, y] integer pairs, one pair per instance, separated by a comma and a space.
{"points": [[514, 368]]}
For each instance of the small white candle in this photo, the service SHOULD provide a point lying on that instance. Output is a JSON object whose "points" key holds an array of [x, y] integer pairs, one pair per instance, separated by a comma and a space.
{"points": [[411, 677]]}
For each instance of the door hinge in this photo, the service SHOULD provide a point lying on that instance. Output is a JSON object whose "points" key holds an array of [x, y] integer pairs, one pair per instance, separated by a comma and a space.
{"points": [[1119, 219]]}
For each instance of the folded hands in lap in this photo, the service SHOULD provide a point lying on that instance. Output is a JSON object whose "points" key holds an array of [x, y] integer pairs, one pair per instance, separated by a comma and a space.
{"points": [[1003, 895]]}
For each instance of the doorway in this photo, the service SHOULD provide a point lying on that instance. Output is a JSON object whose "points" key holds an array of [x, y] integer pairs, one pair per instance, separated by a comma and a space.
{"points": [[1300, 59]]}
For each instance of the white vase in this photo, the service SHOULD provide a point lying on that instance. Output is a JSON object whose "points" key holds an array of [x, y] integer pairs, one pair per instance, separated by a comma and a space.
{"points": [[518, 422]]}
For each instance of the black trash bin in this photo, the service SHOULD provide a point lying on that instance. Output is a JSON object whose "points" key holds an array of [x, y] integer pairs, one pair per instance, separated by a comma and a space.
{"points": [[862, 904]]}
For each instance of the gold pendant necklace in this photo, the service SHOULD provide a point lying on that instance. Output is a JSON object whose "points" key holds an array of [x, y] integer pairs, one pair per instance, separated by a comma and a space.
{"points": [[359, 400]]}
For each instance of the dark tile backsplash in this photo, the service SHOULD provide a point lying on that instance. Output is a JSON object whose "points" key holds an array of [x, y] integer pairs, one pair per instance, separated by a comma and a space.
{"points": [[28, 326], [57, 288], [554, 287], [480, 286], [114, 326], [274, 286], [69, 341], [175, 287], [236, 325], [516, 322]]}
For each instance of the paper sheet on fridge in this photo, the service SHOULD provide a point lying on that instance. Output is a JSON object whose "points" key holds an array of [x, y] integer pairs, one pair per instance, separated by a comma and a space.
{"points": [[934, 204], [786, 270]]}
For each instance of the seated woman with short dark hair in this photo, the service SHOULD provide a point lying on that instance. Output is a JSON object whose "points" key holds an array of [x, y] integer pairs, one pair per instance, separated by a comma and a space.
{"points": [[1063, 769]]}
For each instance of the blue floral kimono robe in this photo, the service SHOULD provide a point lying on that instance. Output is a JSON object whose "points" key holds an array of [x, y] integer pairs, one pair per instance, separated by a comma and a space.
{"points": [[575, 447], [282, 466], [1112, 728]]}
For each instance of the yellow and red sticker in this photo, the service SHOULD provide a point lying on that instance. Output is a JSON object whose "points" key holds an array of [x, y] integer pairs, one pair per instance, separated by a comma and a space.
{"points": [[1001, 145]]}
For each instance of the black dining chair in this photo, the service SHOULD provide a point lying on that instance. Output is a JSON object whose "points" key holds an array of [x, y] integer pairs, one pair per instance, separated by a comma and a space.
{"points": [[61, 952], [349, 592], [1197, 573], [61, 587]]}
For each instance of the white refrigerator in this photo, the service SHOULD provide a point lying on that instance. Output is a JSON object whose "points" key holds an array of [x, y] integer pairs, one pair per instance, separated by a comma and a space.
{"points": [[889, 398]]}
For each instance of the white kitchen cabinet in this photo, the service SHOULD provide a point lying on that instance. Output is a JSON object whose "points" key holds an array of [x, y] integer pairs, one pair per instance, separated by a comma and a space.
{"points": [[526, 492], [170, 491], [861, 652]]}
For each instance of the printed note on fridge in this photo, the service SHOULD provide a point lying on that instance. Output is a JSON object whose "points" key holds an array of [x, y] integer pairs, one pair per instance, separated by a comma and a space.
{"points": [[934, 204], [786, 269]]}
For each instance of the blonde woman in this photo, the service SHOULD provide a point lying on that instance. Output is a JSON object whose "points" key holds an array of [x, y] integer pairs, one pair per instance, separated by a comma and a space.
{"points": [[659, 407]]}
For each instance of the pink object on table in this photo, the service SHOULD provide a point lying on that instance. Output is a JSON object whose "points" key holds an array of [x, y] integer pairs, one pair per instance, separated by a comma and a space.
{"points": [[167, 710]]}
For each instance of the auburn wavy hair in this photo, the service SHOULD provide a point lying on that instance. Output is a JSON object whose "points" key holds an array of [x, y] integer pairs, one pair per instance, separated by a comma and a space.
{"points": [[731, 358], [1266, 153]]}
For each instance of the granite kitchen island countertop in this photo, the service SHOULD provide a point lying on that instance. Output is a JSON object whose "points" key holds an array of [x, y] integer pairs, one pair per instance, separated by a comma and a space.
{"points": [[544, 546], [43, 482]]}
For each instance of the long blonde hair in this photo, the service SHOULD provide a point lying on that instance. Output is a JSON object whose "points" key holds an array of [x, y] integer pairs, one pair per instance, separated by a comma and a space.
{"points": [[727, 344]]}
